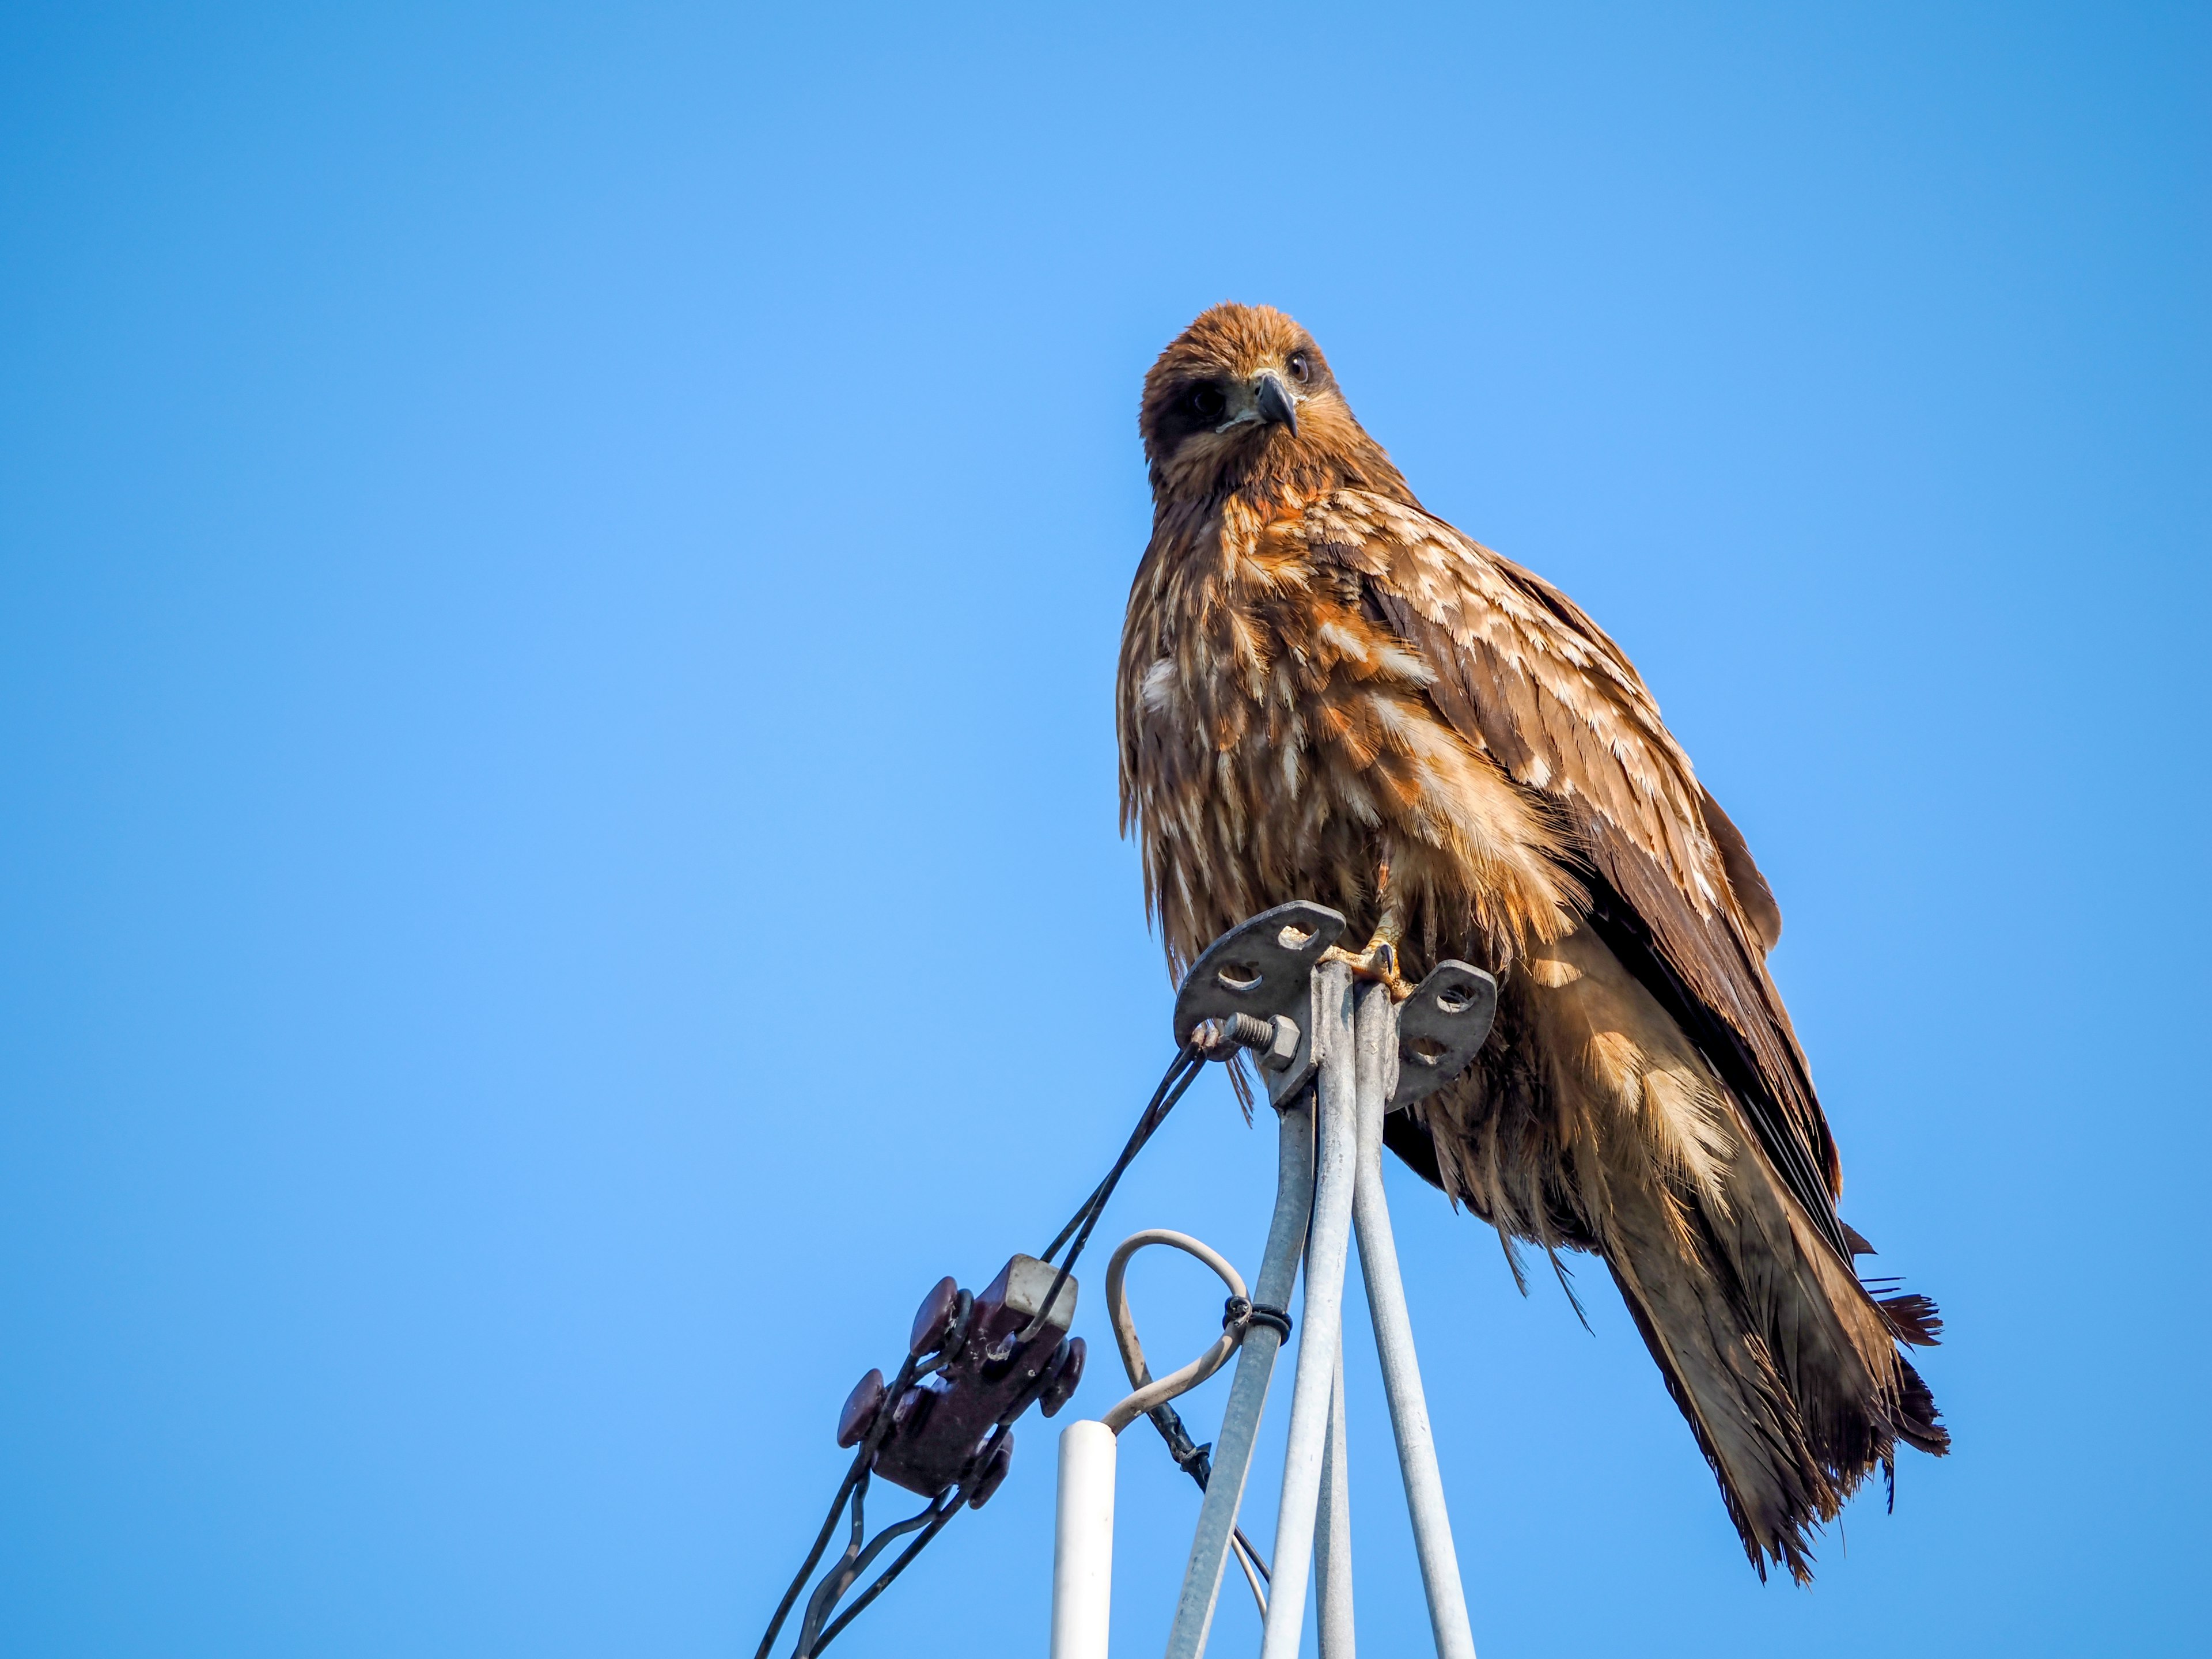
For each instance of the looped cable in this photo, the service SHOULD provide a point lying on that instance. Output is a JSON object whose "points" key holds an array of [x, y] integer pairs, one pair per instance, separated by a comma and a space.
{"points": [[1151, 1398], [1150, 1393]]}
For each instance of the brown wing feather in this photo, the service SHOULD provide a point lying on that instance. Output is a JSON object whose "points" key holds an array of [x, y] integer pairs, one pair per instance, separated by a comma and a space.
{"points": [[1525, 675], [1744, 876]]}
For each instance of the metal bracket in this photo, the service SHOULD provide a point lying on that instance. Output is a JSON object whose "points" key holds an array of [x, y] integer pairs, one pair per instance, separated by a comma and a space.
{"points": [[1262, 986], [1263, 969], [1440, 1028]]}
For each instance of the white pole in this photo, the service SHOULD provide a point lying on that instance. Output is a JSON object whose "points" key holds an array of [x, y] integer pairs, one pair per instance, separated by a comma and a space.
{"points": [[1378, 1046], [1083, 1543], [1335, 1130]]}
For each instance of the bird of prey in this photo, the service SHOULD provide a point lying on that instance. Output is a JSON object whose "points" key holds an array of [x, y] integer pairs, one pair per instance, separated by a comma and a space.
{"points": [[1325, 691]]}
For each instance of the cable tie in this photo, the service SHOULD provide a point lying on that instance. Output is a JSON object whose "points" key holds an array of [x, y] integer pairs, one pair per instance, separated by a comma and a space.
{"points": [[1237, 1311]]}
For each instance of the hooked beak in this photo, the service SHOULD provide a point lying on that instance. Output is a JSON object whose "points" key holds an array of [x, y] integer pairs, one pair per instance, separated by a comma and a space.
{"points": [[1273, 403]]}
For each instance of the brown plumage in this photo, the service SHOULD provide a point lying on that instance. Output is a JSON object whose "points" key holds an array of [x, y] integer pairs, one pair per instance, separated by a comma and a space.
{"points": [[1327, 692]]}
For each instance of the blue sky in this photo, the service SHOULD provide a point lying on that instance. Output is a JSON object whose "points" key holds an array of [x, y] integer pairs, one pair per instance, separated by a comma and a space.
{"points": [[559, 578]]}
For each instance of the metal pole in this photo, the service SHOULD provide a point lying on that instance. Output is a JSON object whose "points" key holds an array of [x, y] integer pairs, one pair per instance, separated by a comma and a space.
{"points": [[1332, 1537], [1335, 1133], [1247, 1391], [1083, 1543], [1378, 1066]]}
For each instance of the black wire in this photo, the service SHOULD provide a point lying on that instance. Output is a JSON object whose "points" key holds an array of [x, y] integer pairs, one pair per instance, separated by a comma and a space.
{"points": [[853, 1476], [1180, 1073], [812, 1637], [939, 1520], [1171, 1090], [806, 1568], [834, 1581], [977, 1468], [1252, 1555], [1196, 1462], [1149, 1120]]}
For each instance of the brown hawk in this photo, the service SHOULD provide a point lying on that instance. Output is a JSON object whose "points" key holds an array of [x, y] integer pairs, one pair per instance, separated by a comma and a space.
{"points": [[1327, 692]]}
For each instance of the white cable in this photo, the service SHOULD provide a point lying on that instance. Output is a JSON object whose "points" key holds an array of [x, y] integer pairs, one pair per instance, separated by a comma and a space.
{"points": [[1150, 1393]]}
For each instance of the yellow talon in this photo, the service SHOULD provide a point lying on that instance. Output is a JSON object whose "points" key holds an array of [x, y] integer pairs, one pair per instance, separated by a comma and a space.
{"points": [[1377, 963], [1379, 960]]}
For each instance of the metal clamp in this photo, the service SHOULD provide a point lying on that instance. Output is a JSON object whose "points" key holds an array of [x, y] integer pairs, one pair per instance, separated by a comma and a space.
{"points": [[1261, 970], [1441, 1027]]}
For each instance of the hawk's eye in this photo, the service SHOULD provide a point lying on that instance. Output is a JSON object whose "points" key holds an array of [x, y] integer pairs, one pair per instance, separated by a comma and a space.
{"points": [[1206, 403], [1300, 370]]}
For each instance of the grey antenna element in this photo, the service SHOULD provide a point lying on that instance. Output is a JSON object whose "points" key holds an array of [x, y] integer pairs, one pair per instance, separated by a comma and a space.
{"points": [[1440, 1028], [1262, 969]]}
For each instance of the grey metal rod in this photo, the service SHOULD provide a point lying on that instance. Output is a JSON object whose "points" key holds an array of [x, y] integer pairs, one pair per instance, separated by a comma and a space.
{"points": [[1377, 1065], [1333, 1535], [1248, 1390], [1336, 1110]]}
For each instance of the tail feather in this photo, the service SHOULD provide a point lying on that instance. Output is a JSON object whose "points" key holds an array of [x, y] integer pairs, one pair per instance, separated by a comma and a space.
{"points": [[1785, 1365], [1591, 1121], [1914, 1319]]}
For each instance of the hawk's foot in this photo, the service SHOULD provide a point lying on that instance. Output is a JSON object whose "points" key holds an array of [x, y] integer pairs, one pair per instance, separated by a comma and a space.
{"points": [[1380, 962]]}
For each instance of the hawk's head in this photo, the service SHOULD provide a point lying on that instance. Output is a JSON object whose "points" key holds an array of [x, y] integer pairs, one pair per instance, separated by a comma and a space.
{"points": [[1243, 398]]}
